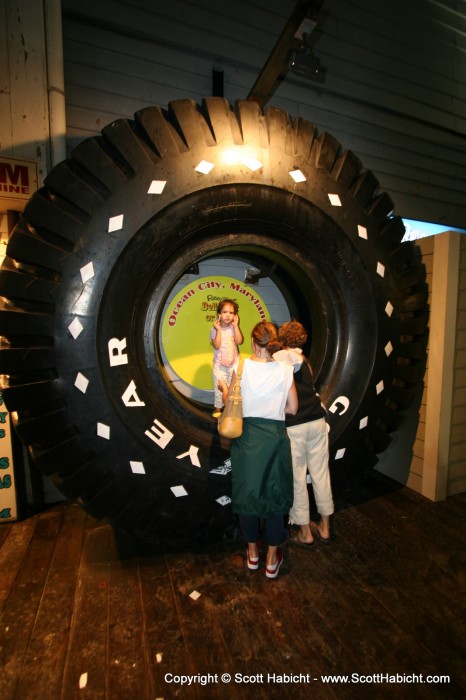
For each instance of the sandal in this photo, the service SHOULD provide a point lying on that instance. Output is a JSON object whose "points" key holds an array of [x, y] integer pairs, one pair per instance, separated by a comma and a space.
{"points": [[316, 533], [300, 543]]}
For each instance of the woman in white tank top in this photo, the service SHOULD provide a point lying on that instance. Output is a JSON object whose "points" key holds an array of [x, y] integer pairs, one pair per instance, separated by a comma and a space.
{"points": [[262, 476]]}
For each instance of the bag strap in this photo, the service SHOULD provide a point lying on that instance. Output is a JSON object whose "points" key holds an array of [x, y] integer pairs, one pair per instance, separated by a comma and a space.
{"points": [[234, 392]]}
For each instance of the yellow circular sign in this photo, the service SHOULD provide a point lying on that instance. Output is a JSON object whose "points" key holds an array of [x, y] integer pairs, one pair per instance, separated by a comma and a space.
{"points": [[189, 317]]}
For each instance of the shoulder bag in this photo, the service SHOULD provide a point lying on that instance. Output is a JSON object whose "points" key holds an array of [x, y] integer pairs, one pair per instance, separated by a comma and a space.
{"points": [[230, 423]]}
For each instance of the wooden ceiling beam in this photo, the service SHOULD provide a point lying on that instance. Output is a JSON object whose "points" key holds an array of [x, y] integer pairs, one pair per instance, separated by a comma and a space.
{"points": [[277, 64]]}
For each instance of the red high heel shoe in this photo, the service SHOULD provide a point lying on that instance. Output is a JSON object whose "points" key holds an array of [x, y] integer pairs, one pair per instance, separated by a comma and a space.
{"points": [[253, 562], [272, 570]]}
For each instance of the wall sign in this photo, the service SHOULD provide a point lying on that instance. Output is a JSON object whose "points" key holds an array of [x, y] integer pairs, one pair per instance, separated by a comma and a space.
{"points": [[18, 181], [8, 504], [190, 315]]}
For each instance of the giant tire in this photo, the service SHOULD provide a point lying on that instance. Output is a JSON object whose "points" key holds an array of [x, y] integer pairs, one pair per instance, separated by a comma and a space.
{"points": [[72, 283]]}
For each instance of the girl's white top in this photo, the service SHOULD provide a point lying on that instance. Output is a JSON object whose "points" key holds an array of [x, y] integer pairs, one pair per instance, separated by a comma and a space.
{"points": [[292, 356]]}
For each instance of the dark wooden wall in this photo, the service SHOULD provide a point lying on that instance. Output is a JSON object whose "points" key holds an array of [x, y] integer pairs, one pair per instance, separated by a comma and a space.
{"points": [[394, 89]]}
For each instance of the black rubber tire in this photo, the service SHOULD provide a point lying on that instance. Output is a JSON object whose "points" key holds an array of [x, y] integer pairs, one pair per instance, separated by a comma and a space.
{"points": [[342, 269]]}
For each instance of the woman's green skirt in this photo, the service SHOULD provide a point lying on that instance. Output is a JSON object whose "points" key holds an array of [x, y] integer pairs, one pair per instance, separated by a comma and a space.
{"points": [[261, 469]]}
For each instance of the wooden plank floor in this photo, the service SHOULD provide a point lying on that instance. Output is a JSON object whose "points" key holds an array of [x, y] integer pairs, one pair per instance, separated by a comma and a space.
{"points": [[83, 605]]}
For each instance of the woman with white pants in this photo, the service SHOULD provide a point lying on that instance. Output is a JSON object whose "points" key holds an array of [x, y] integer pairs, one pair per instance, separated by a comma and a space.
{"points": [[308, 434]]}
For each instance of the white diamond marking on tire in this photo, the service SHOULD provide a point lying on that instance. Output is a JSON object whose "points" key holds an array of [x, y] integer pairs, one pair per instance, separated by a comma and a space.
{"points": [[179, 491], [87, 272], [103, 431], [137, 467], [115, 223], [75, 328], [81, 382]]}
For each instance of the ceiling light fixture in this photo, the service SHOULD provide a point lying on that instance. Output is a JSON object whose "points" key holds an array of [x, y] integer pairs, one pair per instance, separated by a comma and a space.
{"points": [[303, 62]]}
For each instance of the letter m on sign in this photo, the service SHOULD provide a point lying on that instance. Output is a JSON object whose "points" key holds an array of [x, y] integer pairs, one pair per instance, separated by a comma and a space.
{"points": [[14, 174]]}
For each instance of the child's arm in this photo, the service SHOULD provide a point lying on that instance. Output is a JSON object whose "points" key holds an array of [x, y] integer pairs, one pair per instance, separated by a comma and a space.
{"points": [[217, 339], [236, 330]]}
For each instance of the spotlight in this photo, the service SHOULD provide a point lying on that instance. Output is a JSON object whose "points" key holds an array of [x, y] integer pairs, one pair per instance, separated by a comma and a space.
{"points": [[252, 276], [304, 63]]}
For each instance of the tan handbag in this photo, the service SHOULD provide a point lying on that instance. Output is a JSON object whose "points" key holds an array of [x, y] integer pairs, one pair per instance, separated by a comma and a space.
{"points": [[230, 423]]}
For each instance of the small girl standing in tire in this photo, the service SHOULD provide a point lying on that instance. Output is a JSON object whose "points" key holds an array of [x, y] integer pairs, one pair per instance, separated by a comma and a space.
{"points": [[225, 336]]}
